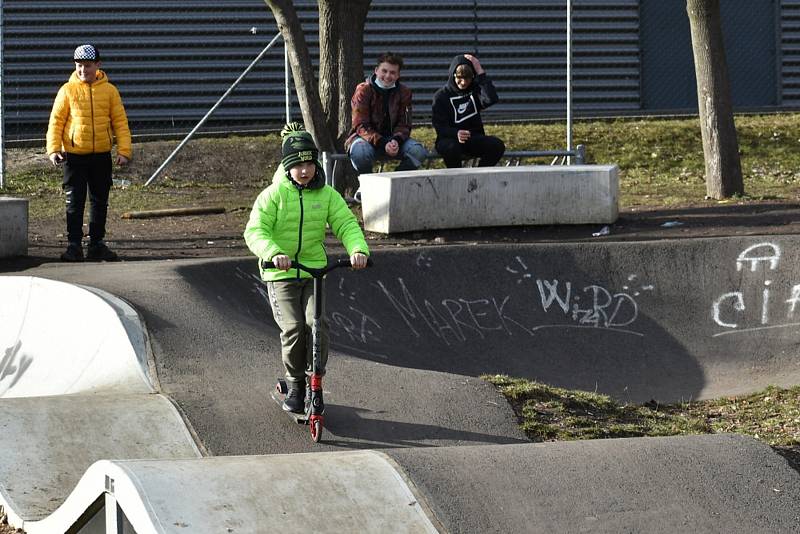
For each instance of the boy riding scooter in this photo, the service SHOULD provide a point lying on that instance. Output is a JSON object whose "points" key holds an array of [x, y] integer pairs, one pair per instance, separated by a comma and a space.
{"points": [[287, 226]]}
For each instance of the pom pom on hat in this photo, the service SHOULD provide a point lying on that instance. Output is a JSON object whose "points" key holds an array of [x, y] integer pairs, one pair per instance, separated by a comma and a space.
{"points": [[86, 52], [292, 127]]}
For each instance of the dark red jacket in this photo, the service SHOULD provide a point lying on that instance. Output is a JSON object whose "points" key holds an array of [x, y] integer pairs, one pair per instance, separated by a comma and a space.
{"points": [[368, 113]]}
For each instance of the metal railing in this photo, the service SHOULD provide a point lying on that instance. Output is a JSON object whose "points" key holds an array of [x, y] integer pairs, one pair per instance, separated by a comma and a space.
{"points": [[513, 158], [167, 161]]}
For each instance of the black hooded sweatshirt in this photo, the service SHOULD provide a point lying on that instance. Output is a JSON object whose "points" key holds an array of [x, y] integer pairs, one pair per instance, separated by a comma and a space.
{"points": [[454, 109]]}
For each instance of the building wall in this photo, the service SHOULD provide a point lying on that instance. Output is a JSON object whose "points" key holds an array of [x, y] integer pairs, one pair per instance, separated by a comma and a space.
{"points": [[173, 59], [668, 79]]}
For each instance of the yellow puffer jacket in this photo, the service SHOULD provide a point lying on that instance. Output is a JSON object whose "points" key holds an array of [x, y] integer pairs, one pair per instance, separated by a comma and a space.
{"points": [[86, 118]]}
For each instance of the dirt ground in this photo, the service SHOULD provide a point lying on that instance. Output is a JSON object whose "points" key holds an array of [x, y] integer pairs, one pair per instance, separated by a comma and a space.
{"points": [[236, 170], [220, 235]]}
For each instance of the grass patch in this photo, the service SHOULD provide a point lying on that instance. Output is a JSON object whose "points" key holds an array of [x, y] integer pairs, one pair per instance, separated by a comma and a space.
{"points": [[549, 413], [660, 161]]}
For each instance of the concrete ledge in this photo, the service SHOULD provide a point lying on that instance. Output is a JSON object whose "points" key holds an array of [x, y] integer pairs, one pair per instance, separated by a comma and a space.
{"points": [[13, 227], [430, 199]]}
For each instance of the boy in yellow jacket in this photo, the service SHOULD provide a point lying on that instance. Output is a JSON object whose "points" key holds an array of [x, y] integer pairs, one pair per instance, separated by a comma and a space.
{"points": [[87, 115]]}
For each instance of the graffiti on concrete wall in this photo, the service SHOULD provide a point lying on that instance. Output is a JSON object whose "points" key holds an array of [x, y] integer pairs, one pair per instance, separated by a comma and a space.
{"points": [[739, 311], [456, 319]]}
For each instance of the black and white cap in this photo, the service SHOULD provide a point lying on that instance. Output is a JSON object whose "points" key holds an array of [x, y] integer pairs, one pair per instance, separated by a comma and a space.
{"points": [[86, 52]]}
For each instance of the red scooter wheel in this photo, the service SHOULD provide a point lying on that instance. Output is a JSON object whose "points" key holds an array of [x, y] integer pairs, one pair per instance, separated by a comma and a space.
{"points": [[316, 429]]}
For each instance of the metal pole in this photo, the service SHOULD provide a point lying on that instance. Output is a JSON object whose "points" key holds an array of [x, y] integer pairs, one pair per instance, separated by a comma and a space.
{"points": [[569, 79], [287, 81], [210, 111], [327, 168], [2, 110]]}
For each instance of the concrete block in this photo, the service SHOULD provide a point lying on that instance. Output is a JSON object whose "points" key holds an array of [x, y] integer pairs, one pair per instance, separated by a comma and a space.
{"points": [[430, 199], [13, 227]]}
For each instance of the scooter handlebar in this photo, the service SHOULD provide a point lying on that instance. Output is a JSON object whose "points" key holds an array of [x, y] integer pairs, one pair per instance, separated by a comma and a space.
{"points": [[318, 272]]}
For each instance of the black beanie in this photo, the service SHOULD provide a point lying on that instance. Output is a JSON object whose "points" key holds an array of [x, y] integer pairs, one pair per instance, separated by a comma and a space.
{"points": [[297, 146]]}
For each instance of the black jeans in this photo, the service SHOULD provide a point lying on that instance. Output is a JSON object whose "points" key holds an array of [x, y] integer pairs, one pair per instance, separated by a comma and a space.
{"points": [[486, 147], [90, 172]]}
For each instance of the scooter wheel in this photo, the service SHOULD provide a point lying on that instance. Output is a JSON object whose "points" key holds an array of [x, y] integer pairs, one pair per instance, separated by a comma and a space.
{"points": [[281, 386], [316, 430]]}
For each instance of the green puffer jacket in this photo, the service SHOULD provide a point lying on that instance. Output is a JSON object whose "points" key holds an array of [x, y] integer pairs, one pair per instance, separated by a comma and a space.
{"points": [[287, 220]]}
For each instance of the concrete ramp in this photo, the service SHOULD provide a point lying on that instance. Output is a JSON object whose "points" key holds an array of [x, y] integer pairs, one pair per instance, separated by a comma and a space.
{"points": [[74, 389], [47, 444], [325, 492], [715, 483], [722, 483], [60, 339]]}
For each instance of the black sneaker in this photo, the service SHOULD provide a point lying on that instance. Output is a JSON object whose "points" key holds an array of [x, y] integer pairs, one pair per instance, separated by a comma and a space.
{"points": [[100, 252], [74, 253], [294, 401]]}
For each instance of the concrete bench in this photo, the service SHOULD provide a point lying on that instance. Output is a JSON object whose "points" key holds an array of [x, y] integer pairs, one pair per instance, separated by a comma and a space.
{"points": [[13, 227], [429, 199]]}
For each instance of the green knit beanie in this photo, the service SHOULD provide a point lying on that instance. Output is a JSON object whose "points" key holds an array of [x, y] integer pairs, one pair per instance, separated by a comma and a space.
{"points": [[297, 146]]}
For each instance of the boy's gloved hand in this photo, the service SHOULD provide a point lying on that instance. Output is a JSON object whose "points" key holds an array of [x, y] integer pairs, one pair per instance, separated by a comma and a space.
{"points": [[358, 260], [282, 262], [122, 160]]}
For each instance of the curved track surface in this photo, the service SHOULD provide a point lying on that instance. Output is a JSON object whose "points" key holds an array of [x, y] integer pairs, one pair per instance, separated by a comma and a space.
{"points": [[661, 320]]}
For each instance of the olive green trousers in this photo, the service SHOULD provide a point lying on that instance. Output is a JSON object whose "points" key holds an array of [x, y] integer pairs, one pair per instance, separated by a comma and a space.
{"points": [[292, 303]]}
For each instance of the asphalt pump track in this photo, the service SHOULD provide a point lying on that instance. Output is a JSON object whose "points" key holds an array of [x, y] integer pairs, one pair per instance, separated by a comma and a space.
{"points": [[414, 439]]}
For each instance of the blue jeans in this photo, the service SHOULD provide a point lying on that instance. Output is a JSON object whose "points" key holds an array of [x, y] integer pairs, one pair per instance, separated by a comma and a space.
{"points": [[363, 155]]}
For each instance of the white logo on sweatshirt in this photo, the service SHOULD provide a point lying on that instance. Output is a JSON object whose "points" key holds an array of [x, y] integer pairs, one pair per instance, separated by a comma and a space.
{"points": [[463, 108]]}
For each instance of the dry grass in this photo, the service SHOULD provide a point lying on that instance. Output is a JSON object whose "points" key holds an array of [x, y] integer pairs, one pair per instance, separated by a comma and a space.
{"points": [[554, 414]]}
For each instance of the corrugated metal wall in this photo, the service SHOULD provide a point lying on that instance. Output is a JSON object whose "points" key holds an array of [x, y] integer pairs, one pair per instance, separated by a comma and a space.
{"points": [[790, 53], [751, 49], [171, 60]]}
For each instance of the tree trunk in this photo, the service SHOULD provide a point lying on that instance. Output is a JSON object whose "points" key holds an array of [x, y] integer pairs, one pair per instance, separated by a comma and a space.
{"points": [[341, 59], [304, 80], [341, 64], [720, 145]]}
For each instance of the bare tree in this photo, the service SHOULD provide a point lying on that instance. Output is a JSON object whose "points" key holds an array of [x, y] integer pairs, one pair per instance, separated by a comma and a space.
{"points": [[720, 144], [341, 44]]}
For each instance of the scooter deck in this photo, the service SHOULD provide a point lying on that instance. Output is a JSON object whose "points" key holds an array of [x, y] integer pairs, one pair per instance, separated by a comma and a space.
{"points": [[299, 418]]}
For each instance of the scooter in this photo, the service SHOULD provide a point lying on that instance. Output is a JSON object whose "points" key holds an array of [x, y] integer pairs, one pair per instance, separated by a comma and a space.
{"points": [[314, 406]]}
